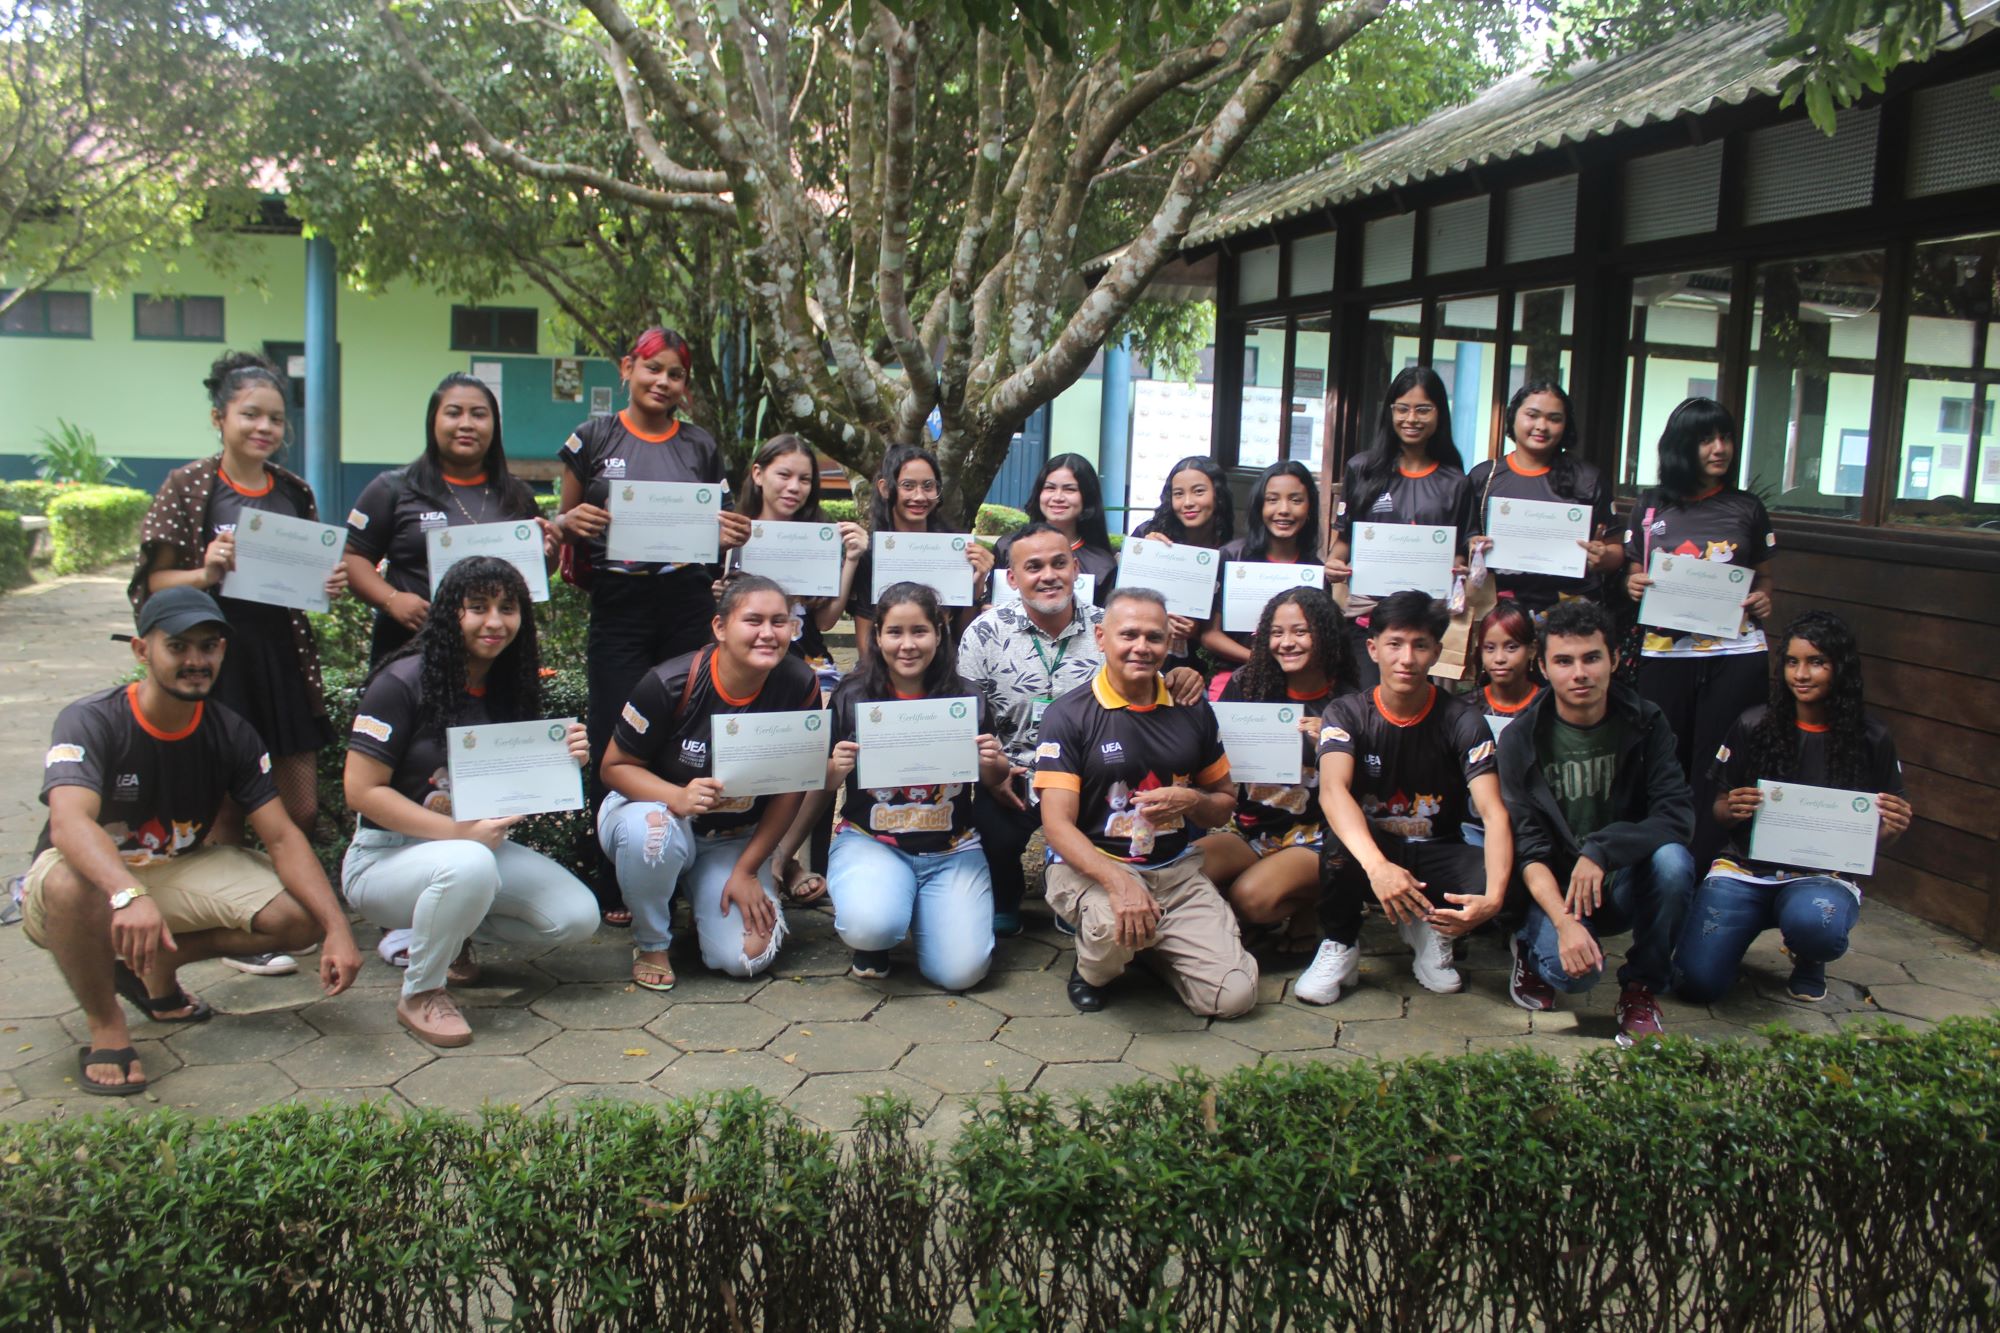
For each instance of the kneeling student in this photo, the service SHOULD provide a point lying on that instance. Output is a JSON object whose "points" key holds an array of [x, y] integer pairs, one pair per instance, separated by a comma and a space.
{"points": [[1602, 818], [1401, 770], [1122, 771]]}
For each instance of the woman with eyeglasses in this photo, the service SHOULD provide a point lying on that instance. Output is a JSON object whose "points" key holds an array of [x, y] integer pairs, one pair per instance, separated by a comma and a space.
{"points": [[907, 492]]}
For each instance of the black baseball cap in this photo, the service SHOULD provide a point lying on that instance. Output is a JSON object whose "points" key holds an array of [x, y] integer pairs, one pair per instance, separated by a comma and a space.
{"points": [[179, 609]]}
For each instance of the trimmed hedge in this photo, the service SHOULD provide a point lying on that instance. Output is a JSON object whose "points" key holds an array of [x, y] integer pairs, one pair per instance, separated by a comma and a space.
{"points": [[31, 497], [15, 543], [93, 526], [1840, 1183]]}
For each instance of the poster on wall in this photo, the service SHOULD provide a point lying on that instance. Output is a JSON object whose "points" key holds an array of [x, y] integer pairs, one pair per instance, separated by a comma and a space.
{"points": [[1169, 421], [600, 400], [566, 380], [1262, 409], [488, 372]]}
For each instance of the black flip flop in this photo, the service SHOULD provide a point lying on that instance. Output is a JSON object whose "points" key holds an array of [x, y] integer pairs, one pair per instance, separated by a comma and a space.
{"points": [[124, 1057], [132, 987]]}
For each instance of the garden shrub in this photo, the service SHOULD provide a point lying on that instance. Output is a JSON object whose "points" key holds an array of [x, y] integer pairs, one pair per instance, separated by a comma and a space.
{"points": [[1839, 1183], [15, 543], [30, 497], [93, 526]]}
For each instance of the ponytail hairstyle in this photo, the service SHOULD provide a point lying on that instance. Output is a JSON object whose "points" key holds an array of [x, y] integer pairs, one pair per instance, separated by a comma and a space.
{"points": [[1168, 523], [426, 474], [941, 678], [233, 372], [751, 505], [1258, 540], [1774, 746], [1090, 524], [513, 683], [1694, 423], [1374, 467], [882, 514], [1562, 468], [1262, 680]]}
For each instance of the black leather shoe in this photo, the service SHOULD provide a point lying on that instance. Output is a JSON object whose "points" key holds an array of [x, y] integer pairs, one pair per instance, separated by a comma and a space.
{"points": [[1087, 998]]}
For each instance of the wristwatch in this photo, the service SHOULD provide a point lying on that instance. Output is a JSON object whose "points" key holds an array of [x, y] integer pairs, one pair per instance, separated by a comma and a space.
{"points": [[124, 897]]}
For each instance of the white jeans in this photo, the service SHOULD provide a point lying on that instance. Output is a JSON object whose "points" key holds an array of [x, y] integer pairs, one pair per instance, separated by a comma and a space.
{"points": [[452, 890], [656, 852]]}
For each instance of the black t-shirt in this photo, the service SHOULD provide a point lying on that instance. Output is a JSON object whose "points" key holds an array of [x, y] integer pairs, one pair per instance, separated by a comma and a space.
{"points": [[604, 450], [158, 793], [666, 724], [1439, 496], [1727, 525], [1493, 483], [392, 517], [389, 726], [1104, 749], [1733, 767], [919, 820], [1284, 816], [861, 596], [1412, 780], [1232, 553]]}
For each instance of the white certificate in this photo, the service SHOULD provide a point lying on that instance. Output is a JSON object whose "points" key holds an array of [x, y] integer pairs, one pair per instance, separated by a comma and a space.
{"points": [[1006, 594], [935, 559], [1248, 587], [519, 544], [1184, 575], [512, 768], [1263, 742], [1818, 828], [1537, 537], [1398, 557], [804, 558], [1703, 597], [917, 742], [767, 754], [668, 522], [284, 561]]}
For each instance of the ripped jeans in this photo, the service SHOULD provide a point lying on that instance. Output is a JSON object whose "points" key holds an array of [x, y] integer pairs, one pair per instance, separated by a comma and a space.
{"points": [[655, 853], [1813, 915]]}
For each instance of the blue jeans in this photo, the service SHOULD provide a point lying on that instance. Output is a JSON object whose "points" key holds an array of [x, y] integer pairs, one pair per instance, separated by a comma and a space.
{"points": [[881, 895], [1813, 915], [654, 851], [1650, 900]]}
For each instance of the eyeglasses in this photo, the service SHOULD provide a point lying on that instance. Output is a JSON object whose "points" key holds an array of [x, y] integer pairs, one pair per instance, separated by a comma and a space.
{"points": [[917, 487], [1420, 411]]}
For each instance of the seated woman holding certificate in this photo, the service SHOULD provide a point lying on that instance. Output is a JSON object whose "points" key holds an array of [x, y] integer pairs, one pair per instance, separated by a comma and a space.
{"points": [[907, 499], [906, 858], [1813, 733], [668, 818], [1284, 530], [1267, 865], [1544, 467], [460, 479], [413, 865]]}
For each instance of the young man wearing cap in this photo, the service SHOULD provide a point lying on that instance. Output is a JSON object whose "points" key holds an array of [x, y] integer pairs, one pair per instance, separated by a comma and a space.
{"points": [[123, 891]]}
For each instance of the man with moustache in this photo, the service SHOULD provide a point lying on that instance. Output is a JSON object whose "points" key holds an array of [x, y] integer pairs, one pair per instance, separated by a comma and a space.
{"points": [[1126, 774], [1022, 658], [123, 890]]}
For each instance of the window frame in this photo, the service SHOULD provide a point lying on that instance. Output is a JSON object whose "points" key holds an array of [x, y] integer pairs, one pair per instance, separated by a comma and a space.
{"points": [[493, 315], [41, 301], [180, 305]]}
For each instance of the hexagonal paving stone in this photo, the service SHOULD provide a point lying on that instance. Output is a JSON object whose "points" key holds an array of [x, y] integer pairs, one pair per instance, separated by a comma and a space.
{"points": [[1928, 1002], [839, 1048], [698, 985], [826, 999], [1078, 1038], [1027, 994], [833, 1101], [826, 956], [1840, 995], [55, 1075], [364, 1061], [605, 956], [226, 1090], [716, 1027], [354, 1016], [29, 1040], [603, 1056], [1755, 1013], [1276, 1027], [1022, 954], [1163, 1053], [38, 998], [81, 1104], [240, 993], [477, 1081], [1468, 1013], [969, 1066], [1967, 975], [602, 1006], [242, 1038], [1138, 1002], [1067, 1082], [703, 1071], [505, 985], [1357, 1004], [502, 1032], [569, 1100], [1398, 1040], [1865, 969], [936, 1017]]}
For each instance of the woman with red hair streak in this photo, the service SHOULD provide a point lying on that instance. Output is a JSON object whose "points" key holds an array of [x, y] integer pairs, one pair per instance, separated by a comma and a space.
{"points": [[1506, 681], [641, 613]]}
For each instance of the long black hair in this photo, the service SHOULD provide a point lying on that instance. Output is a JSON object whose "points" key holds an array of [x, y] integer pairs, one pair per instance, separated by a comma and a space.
{"points": [[1168, 523], [1258, 540], [426, 475], [1562, 468], [513, 682], [1774, 746], [1090, 524], [941, 678], [882, 514], [1262, 680], [1374, 467], [1694, 423], [752, 503]]}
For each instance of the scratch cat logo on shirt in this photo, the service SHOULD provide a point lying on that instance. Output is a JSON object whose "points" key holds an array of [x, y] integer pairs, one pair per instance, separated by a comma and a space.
{"points": [[922, 809], [640, 722], [357, 520], [1293, 800], [471, 741], [438, 798], [62, 754], [373, 726], [154, 841]]}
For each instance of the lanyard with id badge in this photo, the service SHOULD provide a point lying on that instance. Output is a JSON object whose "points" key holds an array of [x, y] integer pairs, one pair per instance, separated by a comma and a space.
{"points": [[1048, 695]]}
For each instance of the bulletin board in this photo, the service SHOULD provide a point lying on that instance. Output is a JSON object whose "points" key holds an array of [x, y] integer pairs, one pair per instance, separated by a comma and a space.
{"points": [[534, 421]]}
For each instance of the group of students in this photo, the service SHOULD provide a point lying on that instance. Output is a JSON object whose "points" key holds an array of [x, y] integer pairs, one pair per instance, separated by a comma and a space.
{"points": [[1563, 802]]}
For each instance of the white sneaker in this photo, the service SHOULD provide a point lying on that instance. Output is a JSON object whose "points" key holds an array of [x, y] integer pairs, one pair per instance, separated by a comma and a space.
{"points": [[1334, 966], [1432, 961]]}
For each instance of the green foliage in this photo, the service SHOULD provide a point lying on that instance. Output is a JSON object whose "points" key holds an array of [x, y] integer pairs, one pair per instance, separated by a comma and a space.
{"points": [[14, 544], [1842, 1182], [69, 453], [28, 497], [999, 520], [841, 511], [92, 526]]}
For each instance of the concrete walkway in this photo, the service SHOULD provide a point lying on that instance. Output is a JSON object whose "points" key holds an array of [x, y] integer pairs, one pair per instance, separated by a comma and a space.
{"points": [[566, 1026]]}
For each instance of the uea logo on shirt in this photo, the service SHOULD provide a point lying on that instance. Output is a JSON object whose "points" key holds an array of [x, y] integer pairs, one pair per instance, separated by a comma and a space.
{"points": [[1374, 762], [640, 723], [128, 785], [614, 467], [693, 752], [62, 754], [1111, 750], [373, 726]]}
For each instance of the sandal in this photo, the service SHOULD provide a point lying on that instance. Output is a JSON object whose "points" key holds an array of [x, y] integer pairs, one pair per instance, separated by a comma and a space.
{"points": [[133, 988], [652, 976], [619, 917], [124, 1057], [795, 885]]}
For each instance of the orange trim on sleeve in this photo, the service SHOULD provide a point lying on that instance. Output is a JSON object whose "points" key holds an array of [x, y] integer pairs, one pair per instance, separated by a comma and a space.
{"points": [[1214, 773], [1070, 782], [625, 420], [132, 698]]}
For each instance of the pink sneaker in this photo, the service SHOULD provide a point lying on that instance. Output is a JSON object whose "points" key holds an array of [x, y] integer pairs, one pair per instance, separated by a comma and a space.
{"points": [[1638, 1015], [433, 1016]]}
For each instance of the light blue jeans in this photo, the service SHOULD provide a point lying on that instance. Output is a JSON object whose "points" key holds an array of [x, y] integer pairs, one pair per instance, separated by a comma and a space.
{"points": [[451, 890], [881, 895], [655, 853]]}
